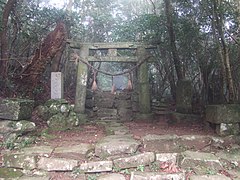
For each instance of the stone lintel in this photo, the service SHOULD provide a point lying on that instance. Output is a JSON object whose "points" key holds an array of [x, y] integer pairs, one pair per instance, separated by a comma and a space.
{"points": [[132, 59], [110, 45]]}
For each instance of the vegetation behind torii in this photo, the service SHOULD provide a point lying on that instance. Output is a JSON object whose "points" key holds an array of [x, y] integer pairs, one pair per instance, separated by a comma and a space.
{"points": [[195, 39]]}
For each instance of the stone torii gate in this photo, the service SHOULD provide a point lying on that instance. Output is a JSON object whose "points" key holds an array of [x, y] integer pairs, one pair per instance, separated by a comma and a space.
{"points": [[112, 56]]}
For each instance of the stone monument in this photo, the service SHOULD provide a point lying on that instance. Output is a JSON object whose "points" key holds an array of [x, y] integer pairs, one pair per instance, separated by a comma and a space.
{"points": [[56, 85]]}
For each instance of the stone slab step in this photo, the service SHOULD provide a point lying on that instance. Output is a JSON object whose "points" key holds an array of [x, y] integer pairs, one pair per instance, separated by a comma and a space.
{"points": [[167, 157], [38, 150], [20, 161], [174, 143], [134, 161], [95, 167], [56, 164], [201, 163], [116, 144], [160, 143], [34, 178], [114, 130], [113, 176], [161, 112], [157, 176], [82, 148], [209, 177]]}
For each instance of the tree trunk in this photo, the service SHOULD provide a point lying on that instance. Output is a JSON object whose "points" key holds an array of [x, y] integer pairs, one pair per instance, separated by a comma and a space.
{"points": [[172, 39], [10, 5], [223, 50], [51, 45]]}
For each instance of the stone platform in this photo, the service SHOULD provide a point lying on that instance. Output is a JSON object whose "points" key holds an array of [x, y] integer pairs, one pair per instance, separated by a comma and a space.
{"points": [[120, 156]]}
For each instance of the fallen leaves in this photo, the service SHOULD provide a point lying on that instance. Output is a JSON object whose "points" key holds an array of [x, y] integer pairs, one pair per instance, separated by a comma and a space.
{"points": [[169, 167]]}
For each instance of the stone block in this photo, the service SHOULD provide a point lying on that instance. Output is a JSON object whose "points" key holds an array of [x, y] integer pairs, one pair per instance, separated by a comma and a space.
{"points": [[57, 122], [104, 103], [56, 164], [232, 156], [35, 178], [21, 161], [98, 166], [166, 157], [224, 113], [57, 85], [161, 143], [124, 96], [10, 173], [113, 176], [116, 130], [37, 150], [194, 142], [209, 177], [134, 161], [125, 114], [157, 176], [82, 148], [200, 162], [16, 109], [105, 112], [224, 129], [127, 104], [184, 96], [115, 145]]}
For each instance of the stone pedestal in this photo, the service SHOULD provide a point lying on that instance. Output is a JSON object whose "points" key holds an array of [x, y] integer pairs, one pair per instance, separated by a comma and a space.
{"points": [[56, 85], [184, 96], [225, 117], [16, 109]]}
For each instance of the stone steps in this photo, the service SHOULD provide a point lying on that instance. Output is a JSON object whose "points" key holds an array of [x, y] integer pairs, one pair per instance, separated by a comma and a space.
{"points": [[159, 108], [119, 155]]}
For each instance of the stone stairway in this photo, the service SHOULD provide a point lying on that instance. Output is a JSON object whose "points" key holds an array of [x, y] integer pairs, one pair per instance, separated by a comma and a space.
{"points": [[120, 156], [159, 108]]}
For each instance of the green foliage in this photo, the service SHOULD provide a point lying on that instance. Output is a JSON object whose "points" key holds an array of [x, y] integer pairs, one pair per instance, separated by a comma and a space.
{"points": [[135, 20], [126, 171], [141, 168], [154, 166], [116, 169], [91, 177]]}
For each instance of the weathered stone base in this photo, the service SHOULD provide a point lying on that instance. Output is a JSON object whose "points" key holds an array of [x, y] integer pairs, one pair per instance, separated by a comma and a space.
{"points": [[224, 118], [16, 109]]}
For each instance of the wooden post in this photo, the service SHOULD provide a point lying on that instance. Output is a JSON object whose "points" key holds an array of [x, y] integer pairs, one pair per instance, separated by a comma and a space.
{"points": [[143, 83], [81, 86]]}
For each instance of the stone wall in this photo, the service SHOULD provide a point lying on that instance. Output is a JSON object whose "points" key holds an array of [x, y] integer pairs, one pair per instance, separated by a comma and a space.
{"points": [[107, 106]]}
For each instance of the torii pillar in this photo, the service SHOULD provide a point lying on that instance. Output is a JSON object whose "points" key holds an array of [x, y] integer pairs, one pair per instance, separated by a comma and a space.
{"points": [[81, 86], [143, 83]]}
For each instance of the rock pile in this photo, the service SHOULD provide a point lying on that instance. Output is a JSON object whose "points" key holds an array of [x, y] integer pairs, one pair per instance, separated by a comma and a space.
{"points": [[15, 115], [59, 114]]}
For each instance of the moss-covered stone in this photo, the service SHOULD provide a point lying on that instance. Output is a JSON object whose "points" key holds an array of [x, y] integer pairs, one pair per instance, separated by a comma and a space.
{"points": [[223, 129], [16, 109], [51, 102], [42, 112], [223, 113], [10, 173], [57, 122], [23, 126], [72, 119], [20, 161]]}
